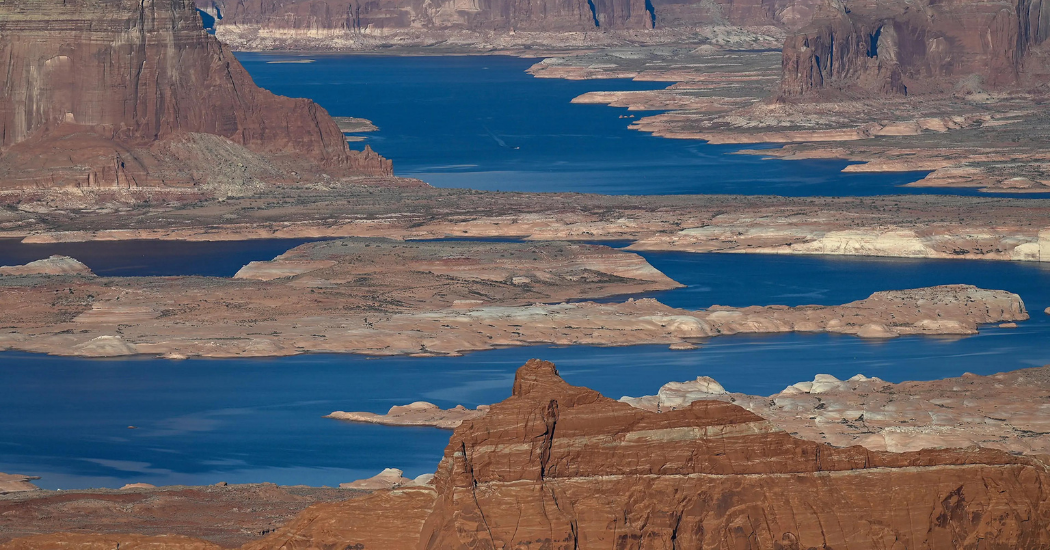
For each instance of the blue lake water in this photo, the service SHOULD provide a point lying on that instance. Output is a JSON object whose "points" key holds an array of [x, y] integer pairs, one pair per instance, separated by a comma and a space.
{"points": [[161, 258], [476, 122], [482, 122], [209, 420]]}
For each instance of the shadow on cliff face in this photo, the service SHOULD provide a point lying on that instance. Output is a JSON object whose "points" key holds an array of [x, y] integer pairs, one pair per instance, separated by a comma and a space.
{"points": [[95, 108], [891, 48]]}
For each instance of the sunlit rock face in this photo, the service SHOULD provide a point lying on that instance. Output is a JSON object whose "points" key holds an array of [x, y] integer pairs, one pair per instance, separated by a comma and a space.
{"points": [[124, 93], [893, 48]]}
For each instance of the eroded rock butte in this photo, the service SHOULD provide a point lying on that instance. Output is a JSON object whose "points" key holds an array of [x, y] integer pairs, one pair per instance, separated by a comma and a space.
{"points": [[136, 94], [560, 466]]}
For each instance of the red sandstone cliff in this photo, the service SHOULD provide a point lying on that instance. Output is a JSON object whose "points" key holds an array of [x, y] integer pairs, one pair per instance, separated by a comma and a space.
{"points": [[124, 93], [891, 47], [557, 466]]}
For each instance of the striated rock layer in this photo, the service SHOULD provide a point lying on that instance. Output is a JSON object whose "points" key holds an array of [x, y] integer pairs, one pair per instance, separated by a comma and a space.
{"points": [[891, 47], [350, 24], [1006, 411], [379, 297], [559, 466], [563, 466], [134, 94]]}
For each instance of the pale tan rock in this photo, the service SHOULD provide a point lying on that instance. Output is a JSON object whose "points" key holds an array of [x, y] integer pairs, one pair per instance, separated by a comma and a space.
{"points": [[54, 265], [1008, 411], [138, 486], [420, 413], [14, 483], [390, 478], [276, 269]]}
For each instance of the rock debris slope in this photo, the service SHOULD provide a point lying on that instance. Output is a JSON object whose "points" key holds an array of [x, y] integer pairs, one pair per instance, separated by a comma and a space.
{"points": [[135, 94]]}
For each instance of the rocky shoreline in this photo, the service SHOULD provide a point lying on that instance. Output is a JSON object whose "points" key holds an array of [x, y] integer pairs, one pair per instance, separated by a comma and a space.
{"points": [[696, 473], [383, 297], [893, 226], [973, 139]]}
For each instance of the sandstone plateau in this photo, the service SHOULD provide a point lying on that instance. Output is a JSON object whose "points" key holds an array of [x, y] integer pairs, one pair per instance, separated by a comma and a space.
{"points": [[558, 466], [906, 226], [382, 297], [137, 95], [420, 413], [14, 483], [1007, 411], [891, 47], [966, 129]]}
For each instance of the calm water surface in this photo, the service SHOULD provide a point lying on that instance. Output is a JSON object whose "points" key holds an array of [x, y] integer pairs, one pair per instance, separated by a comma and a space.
{"points": [[482, 122], [208, 420], [160, 258], [476, 122]]}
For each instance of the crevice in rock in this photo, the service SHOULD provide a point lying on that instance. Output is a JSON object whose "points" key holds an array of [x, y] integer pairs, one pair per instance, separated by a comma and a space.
{"points": [[594, 13], [873, 43], [651, 10]]}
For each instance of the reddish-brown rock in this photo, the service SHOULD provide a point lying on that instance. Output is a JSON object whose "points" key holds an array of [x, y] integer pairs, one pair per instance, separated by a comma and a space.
{"points": [[557, 466], [561, 466], [896, 46], [118, 94]]}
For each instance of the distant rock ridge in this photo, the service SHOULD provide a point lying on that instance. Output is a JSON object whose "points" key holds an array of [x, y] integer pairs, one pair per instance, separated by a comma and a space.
{"points": [[130, 94], [348, 24], [894, 47]]}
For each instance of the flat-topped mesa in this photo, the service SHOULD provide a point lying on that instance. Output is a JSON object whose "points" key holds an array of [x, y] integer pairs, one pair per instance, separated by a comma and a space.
{"points": [[134, 94], [420, 413], [891, 48]]}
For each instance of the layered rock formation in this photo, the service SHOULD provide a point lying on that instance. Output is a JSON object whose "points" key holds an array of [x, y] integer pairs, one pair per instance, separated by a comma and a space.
{"points": [[54, 265], [390, 478], [419, 413], [349, 24], [131, 94], [891, 47], [1007, 411], [380, 297], [558, 466], [562, 465], [16, 483]]}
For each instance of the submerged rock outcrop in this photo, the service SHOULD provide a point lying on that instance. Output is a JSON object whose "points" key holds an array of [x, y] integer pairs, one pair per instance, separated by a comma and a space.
{"points": [[134, 94]]}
